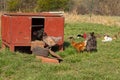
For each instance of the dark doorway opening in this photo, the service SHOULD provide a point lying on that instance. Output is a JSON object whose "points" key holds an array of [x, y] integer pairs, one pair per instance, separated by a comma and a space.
{"points": [[37, 28]]}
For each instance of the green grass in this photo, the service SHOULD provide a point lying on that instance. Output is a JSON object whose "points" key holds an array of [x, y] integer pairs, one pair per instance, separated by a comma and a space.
{"points": [[101, 65]]}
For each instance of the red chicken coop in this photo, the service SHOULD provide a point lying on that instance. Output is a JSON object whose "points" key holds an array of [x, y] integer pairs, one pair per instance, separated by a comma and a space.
{"points": [[18, 29]]}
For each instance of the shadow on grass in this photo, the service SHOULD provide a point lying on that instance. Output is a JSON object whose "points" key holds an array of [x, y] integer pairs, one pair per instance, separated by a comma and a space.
{"points": [[66, 44]]}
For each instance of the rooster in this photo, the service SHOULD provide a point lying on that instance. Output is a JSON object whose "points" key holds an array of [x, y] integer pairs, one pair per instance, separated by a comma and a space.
{"points": [[79, 46]]}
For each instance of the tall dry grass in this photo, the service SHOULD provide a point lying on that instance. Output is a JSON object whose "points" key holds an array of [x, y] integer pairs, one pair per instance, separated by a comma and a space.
{"points": [[105, 20]]}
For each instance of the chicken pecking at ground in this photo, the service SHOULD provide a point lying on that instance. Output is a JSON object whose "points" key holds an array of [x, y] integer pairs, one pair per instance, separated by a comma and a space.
{"points": [[79, 46]]}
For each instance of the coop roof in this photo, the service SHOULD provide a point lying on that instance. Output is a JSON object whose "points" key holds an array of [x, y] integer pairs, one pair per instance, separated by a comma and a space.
{"points": [[45, 14]]}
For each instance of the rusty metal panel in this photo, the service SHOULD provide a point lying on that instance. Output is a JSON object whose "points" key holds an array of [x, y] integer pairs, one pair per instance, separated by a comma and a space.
{"points": [[21, 29], [5, 28], [54, 26]]}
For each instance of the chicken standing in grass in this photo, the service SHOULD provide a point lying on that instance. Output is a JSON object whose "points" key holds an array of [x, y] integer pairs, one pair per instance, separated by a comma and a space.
{"points": [[79, 46], [91, 44]]}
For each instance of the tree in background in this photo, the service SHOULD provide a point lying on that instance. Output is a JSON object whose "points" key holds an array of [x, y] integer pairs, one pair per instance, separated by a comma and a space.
{"points": [[107, 7], [86, 7], [21, 5], [2, 5], [51, 5], [99, 7], [73, 6], [13, 5], [27, 5]]}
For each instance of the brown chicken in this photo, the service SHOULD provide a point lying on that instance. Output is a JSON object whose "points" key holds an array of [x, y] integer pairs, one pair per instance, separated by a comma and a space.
{"points": [[79, 46]]}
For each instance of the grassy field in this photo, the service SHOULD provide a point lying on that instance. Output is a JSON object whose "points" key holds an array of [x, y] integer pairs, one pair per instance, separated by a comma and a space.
{"points": [[105, 20], [101, 65]]}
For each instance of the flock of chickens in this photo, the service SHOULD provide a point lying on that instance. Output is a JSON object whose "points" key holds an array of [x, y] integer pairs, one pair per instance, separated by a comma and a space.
{"points": [[89, 44]]}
